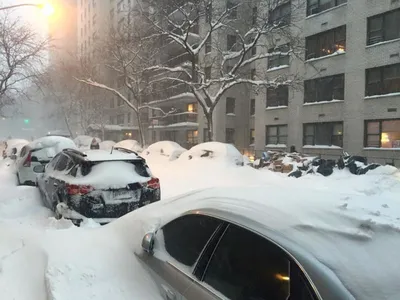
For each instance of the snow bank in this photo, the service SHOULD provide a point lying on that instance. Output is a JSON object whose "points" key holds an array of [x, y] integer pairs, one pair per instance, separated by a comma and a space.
{"points": [[214, 150], [130, 145], [106, 145], [84, 141], [167, 150]]}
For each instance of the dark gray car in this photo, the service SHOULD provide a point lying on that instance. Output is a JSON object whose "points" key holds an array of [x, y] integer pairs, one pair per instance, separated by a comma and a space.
{"points": [[215, 254]]}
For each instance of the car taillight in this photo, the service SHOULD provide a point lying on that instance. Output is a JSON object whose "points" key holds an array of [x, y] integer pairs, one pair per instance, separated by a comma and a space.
{"points": [[75, 189], [153, 183], [27, 162]]}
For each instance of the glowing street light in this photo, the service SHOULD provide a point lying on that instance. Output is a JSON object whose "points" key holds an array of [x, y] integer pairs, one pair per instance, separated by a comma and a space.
{"points": [[46, 8]]}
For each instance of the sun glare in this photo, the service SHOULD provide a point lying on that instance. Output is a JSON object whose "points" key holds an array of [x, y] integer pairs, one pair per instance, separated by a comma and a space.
{"points": [[47, 9]]}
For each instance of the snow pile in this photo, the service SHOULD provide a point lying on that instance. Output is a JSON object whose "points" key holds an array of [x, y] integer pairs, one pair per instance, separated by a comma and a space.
{"points": [[84, 141], [106, 145], [51, 145], [130, 145], [103, 155], [164, 150], [215, 151]]}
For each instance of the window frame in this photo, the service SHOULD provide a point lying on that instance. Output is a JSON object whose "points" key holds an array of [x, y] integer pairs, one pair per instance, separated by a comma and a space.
{"points": [[317, 6], [277, 14], [252, 107], [278, 135], [231, 47], [252, 136], [229, 131], [314, 135], [192, 137], [275, 61], [313, 88], [320, 40], [383, 26], [366, 134], [381, 87], [230, 105], [280, 97]]}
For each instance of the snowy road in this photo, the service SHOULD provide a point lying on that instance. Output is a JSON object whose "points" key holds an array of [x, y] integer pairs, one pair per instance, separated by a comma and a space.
{"points": [[53, 260]]}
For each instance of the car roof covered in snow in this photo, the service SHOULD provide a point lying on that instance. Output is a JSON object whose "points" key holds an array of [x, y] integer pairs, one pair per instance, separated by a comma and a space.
{"points": [[115, 155], [346, 242]]}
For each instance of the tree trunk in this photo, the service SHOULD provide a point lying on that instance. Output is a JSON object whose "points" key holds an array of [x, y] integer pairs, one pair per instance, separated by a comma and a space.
{"points": [[68, 126], [140, 127], [210, 127]]}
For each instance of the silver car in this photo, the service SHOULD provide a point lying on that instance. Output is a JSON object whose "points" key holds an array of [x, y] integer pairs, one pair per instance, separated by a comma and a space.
{"points": [[209, 254]]}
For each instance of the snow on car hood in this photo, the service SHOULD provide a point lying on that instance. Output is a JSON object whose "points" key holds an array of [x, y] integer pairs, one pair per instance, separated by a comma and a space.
{"points": [[214, 150], [168, 149], [51, 145], [130, 145]]}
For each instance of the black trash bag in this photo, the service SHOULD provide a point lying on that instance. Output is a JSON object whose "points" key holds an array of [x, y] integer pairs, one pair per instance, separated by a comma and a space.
{"points": [[331, 163], [311, 171], [303, 168], [360, 159], [370, 167], [295, 174], [340, 163], [325, 170], [353, 168], [317, 162]]}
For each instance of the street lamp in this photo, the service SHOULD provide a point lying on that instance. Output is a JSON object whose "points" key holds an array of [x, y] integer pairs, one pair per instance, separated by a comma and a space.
{"points": [[46, 8]]}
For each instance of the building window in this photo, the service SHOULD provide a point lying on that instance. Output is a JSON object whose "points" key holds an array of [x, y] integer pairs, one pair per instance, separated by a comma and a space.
{"points": [[128, 117], [192, 107], [230, 135], [384, 27], [317, 6], [324, 89], [383, 80], [281, 58], [232, 9], [326, 43], [278, 96], [120, 120], [382, 133], [325, 134], [253, 74], [230, 105], [276, 135], [112, 105], [252, 107], [208, 44], [280, 16], [252, 136], [169, 136], [231, 42], [254, 16], [209, 12], [207, 73], [192, 137]]}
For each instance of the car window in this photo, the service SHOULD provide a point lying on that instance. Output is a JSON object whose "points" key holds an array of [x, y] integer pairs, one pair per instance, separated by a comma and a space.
{"points": [[62, 163], [186, 237], [23, 151], [54, 161], [247, 266]]}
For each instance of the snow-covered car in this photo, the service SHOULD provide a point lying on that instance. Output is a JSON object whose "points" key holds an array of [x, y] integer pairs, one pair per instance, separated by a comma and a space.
{"points": [[13, 147], [246, 243], [166, 149], [106, 145], [216, 151], [130, 145], [37, 153], [100, 185]]}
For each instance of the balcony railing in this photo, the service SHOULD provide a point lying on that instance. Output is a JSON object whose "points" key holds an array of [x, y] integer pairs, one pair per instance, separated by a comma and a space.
{"points": [[184, 117]]}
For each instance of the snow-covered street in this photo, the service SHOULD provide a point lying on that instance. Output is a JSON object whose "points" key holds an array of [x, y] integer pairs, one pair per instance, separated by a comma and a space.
{"points": [[44, 258]]}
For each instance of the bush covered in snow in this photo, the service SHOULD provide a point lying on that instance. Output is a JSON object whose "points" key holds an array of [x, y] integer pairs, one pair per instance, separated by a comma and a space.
{"points": [[168, 149], [214, 150]]}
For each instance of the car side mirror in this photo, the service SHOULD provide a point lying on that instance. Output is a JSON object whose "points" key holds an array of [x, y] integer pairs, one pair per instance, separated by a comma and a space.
{"points": [[148, 242], [39, 169]]}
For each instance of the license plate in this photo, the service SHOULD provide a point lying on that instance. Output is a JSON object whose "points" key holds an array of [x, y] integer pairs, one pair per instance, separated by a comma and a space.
{"points": [[124, 194]]}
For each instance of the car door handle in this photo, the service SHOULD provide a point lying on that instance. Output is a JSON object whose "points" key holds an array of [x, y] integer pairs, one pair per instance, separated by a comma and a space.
{"points": [[170, 295]]}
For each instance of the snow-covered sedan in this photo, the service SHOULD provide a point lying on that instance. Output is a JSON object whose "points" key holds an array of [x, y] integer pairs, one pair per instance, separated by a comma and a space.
{"points": [[101, 185]]}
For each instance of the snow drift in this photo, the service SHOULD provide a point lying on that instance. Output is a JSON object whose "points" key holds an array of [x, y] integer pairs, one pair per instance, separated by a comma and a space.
{"points": [[130, 145], [165, 149]]}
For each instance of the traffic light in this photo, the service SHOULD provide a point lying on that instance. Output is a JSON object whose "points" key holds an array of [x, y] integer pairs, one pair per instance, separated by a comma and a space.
{"points": [[27, 121]]}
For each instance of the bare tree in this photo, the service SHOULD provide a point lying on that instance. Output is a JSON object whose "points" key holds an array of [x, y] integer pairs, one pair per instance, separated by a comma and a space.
{"points": [[222, 43], [126, 55], [22, 54]]}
